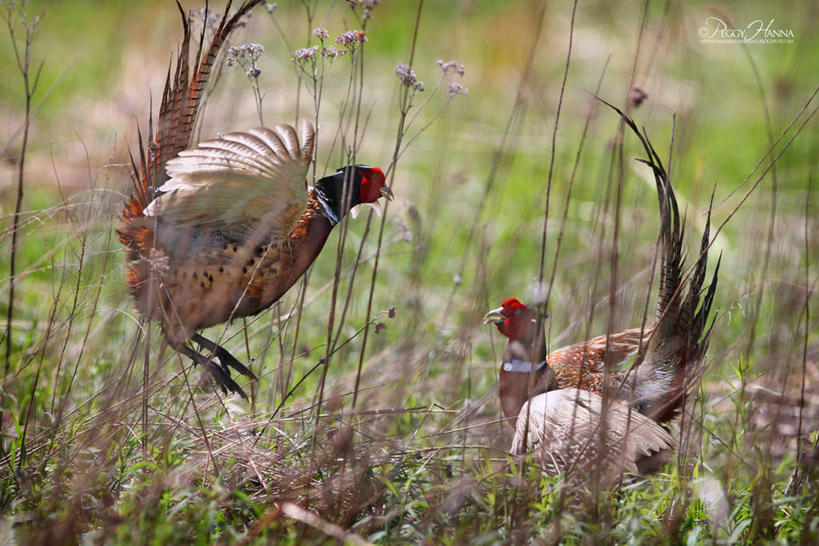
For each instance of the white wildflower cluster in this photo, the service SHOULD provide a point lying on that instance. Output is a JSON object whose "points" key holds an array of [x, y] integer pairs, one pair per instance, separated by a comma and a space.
{"points": [[246, 56], [454, 68], [309, 55], [305, 54]]}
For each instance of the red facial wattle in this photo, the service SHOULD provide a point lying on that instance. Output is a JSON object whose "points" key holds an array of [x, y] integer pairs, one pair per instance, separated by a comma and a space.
{"points": [[372, 180]]}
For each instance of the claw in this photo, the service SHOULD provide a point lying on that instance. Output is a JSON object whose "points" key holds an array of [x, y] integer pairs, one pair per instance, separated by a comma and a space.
{"points": [[225, 357], [220, 374]]}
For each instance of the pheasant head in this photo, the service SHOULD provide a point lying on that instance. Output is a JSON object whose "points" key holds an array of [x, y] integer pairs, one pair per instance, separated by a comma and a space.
{"points": [[514, 319], [350, 187]]}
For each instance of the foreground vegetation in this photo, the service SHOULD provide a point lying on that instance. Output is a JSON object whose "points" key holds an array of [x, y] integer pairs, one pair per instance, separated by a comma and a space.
{"points": [[396, 437]]}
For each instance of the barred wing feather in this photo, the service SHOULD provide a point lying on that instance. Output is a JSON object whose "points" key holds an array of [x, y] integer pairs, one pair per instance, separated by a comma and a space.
{"points": [[239, 183], [563, 430]]}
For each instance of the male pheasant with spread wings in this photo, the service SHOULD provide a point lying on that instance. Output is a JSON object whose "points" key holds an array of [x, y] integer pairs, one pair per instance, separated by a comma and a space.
{"points": [[223, 229]]}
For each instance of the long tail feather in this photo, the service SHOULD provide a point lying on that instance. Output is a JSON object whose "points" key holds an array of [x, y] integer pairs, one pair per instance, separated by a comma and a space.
{"points": [[670, 364], [179, 108]]}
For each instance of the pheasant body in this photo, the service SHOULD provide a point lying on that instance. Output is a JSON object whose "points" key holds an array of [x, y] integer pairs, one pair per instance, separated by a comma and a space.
{"points": [[578, 366], [203, 277]]}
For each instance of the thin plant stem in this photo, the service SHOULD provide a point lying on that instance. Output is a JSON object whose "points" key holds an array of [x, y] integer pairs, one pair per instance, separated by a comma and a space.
{"points": [[400, 131], [29, 87]]}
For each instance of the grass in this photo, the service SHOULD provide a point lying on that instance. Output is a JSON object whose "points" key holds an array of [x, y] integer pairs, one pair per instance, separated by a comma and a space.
{"points": [[422, 455]]}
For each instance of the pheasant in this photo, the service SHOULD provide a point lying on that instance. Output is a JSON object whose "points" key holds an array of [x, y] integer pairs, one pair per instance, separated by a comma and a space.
{"points": [[561, 416], [223, 229]]}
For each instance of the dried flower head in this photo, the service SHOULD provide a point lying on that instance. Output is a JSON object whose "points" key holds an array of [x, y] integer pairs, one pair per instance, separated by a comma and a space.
{"points": [[457, 89], [321, 33], [305, 54], [331, 53], [158, 261], [210, 19], [368, 6], [451, 67], [407, 77], [245, 56], [351, 39], [271, 7], [637, 96]]}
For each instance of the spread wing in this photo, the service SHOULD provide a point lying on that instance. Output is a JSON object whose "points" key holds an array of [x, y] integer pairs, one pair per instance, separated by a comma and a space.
{"points": [[564, 432], [239, 183]]}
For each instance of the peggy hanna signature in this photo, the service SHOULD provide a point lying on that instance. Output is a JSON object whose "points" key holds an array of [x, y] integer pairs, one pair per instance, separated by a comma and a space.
{"points": [[717, 29]]}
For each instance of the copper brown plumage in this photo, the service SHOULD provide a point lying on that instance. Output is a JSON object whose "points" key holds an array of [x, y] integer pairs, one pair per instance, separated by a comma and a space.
{"points": [[560, 416], [223, 229]]}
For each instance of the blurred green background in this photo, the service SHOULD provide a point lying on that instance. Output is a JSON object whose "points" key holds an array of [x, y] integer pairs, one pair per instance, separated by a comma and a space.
{"points": [[460, 237]]}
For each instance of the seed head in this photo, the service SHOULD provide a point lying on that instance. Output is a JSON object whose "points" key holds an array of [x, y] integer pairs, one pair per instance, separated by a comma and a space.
{"points": [[331, 53], [451, 67], [637, 96], [351, 39], [457, 89], [305, 54], [245, 55], [210, 19], [158, 261], [407, 77]]}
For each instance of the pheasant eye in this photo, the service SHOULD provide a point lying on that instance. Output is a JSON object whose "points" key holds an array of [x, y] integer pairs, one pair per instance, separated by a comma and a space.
{"points": [[372, 180]]}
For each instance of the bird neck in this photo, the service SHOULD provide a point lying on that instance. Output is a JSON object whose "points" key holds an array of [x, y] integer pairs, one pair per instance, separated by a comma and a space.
{"points": [[334, 200], [330, 208], [309, 235], [515, 372]]}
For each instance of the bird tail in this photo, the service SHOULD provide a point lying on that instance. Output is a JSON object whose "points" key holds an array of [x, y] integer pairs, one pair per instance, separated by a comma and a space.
{"points": [[669, 366], [178, 111]]}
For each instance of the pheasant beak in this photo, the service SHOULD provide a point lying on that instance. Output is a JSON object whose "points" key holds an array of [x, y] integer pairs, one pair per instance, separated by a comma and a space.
{"points": [[494, 316], [376, 205]]}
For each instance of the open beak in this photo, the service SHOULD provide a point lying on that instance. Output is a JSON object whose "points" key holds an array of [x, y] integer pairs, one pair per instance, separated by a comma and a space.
{"points": [[494, 316], [377, 206]]}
